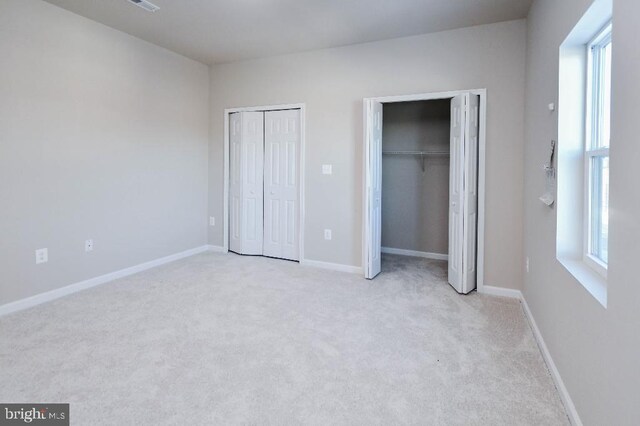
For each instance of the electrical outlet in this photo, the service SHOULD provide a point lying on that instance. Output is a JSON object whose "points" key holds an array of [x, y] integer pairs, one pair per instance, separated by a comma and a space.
{"points": [[526, 263], [212, 221], [327, 234], [42, 256], [88, 246], [327, 169]]}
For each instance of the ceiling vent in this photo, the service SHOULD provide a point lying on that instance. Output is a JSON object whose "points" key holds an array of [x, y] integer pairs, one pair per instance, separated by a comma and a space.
{"points": [[146, 5]]}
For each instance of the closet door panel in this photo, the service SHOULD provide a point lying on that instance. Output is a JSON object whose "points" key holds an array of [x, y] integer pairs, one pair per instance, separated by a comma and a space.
{"points": [[463, 193], [252, 177], [290, 188], [470, 206], [281, 188], [456, 191], [246, 163], [373, 176], [235, 182]]}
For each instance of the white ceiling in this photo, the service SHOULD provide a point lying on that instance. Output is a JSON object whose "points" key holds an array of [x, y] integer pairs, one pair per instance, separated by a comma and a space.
{"points": [[215, 31]]}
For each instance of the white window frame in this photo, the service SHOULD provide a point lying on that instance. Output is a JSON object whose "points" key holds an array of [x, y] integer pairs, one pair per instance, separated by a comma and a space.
{"points": [[594, 107]]}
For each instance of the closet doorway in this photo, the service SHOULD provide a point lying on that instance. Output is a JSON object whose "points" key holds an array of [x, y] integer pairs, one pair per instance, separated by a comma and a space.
{"points": [[424, 182], [263, 181]]}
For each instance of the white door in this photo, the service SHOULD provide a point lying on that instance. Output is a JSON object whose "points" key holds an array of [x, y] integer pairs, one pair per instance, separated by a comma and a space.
{"points": [[281, 187], [235, 182], [246, 182], [373, 193], [463, 192], [470, 206]]}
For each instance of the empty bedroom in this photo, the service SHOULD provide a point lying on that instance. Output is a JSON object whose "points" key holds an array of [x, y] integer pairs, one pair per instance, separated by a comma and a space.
{"points": [[408, 212]]}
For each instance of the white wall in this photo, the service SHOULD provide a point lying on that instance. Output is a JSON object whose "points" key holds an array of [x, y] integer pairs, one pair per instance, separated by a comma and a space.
{"points": [[415, 202], [102, 136], [596, 349], [333, 82]]}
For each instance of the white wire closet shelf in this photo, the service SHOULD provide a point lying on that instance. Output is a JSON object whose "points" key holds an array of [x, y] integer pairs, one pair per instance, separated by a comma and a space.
{"points": [[422, 154], [415, 152]]}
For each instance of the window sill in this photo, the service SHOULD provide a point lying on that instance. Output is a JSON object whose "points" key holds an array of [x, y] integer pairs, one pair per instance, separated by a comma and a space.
{"points": [[596, 265], [592, 281]]}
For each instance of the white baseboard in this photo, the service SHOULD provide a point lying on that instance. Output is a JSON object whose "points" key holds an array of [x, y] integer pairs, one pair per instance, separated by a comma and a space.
{"points": [[48, 296], [333, 266], [500, 291], [569, 407], [414, 253], [216, 249]]}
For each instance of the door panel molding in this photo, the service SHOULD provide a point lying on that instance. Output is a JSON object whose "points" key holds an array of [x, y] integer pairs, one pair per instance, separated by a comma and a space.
{"points": [[246, 189]]}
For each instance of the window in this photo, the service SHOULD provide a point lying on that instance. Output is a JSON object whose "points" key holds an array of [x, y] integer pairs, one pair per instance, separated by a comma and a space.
{"points": [[582, 191], [597, 150]]}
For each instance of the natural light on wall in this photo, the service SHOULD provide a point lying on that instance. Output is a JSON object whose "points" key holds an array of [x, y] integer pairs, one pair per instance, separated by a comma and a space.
{"points": [[584, 119]]}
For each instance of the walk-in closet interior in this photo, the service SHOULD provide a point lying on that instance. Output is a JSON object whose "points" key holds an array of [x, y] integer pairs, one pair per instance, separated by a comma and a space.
{"points": [[422, 186], [415, 178]]}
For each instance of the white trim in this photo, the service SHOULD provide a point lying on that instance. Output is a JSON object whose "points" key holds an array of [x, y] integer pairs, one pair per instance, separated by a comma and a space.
{"points": [[227, 111], [48, 296], [588, 277], [365, 195], [216, 249], [596, 264], [598, 152], [225, 201], [415, 253], [333, 266], [482, 155], [594, 108], [569, 407], [481, 166], [425, 96], [501, 292]]}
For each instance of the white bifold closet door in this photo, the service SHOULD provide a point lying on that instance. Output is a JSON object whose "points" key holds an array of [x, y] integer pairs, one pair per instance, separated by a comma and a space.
{"points": [[463, 193], [264, 183], [281, 189], [246, 182], [373, 191]]}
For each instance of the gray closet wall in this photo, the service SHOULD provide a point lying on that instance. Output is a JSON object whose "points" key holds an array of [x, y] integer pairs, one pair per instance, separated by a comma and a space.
{"points": [[415, 204]]}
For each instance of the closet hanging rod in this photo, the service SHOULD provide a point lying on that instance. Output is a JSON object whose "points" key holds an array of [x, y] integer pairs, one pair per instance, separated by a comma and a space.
{"points": [[415, 152], [422, 154]]}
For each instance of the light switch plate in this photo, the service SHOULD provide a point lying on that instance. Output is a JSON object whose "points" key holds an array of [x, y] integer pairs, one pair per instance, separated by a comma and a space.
{"points": [[327, 169], [42, 256], [327, 234], [212, 221], [88, 246]]}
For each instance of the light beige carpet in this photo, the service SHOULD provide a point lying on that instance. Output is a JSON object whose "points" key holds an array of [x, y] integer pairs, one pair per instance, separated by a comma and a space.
{"points": [[226, 339]]}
